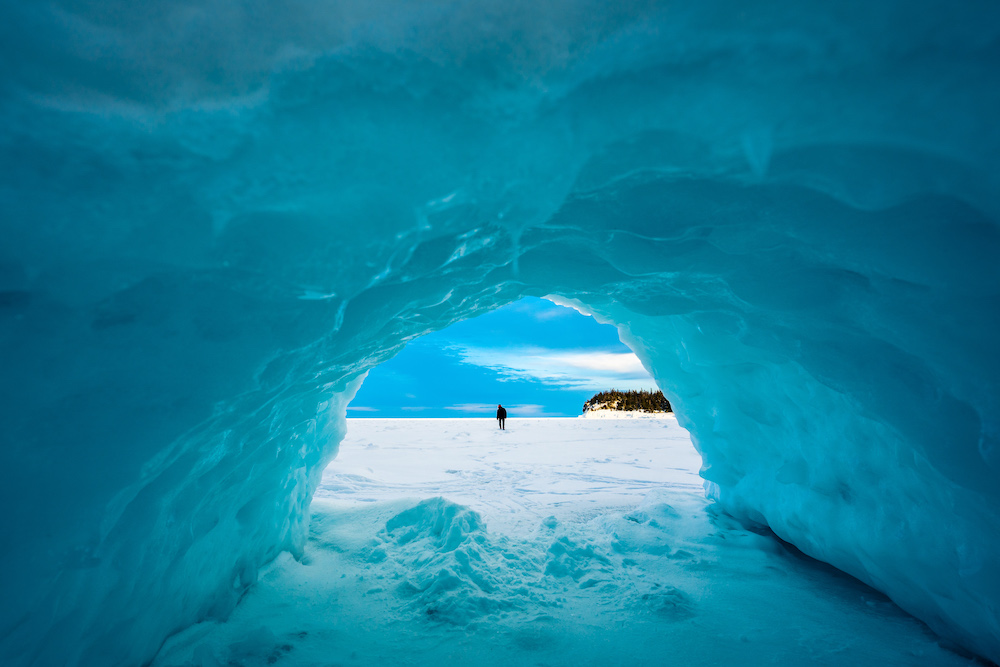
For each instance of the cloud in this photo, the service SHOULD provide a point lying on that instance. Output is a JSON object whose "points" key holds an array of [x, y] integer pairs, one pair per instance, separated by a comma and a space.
{"points": [[519, 410], [488, 408], [362, 408], [529, 410], [580, 369], [547, 315]]}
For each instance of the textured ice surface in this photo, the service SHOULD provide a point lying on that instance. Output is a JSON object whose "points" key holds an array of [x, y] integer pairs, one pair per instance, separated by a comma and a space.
{"points": [[216, 217], [558, 542]]}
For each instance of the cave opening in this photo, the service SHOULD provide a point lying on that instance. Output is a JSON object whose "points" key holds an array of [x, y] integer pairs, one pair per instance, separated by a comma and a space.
{"points": [[536, 356], [563, 540], [423, 423]]}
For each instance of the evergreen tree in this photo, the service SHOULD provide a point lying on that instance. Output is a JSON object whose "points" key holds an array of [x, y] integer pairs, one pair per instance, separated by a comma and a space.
{"points": [[629, 401]]}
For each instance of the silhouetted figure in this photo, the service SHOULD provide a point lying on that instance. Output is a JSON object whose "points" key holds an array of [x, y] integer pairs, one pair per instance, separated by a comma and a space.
{"points": [[501, 416]]}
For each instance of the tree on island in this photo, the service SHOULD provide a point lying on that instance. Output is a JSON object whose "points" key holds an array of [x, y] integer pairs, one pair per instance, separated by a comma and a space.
{"points": [[630, 401]]}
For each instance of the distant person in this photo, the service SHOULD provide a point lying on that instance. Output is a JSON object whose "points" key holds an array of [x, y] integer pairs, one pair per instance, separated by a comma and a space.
{"points": [[501, 416]]}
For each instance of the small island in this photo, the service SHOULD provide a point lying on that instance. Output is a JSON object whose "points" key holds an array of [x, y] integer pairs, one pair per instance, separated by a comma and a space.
{"points": [[614, 402]]}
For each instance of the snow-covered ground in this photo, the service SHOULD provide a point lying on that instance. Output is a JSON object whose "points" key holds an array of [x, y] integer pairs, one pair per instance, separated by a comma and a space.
{"points": [[623, 414], [556, 542]]}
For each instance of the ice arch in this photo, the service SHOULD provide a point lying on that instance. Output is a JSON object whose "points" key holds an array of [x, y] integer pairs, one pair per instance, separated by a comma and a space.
{"points": [[791, 213]]}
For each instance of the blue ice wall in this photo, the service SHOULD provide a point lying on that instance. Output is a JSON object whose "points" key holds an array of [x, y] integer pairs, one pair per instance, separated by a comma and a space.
{"points": [[216, 216]]}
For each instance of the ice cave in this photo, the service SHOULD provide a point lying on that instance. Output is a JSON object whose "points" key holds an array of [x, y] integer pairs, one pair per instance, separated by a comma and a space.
{"points": [[217, 216]]}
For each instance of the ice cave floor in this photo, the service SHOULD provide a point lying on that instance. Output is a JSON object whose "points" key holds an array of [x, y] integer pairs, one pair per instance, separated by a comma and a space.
{"points": [[556, 542]]}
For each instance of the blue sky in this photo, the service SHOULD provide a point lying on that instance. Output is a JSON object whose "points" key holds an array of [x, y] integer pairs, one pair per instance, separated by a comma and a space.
{"points": [[537, 358]]}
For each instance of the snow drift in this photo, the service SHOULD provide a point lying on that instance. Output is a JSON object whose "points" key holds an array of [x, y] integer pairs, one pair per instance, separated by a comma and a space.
{"points": [[216, 218]]}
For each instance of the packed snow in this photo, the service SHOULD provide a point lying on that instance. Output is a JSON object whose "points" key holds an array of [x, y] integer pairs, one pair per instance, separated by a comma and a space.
{"points": [[556, 542]]}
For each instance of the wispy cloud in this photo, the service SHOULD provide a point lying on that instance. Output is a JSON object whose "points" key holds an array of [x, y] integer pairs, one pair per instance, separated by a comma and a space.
{"points": [[472, 407], [528, 410], [488, 409], [362, 408], [586, 369]]}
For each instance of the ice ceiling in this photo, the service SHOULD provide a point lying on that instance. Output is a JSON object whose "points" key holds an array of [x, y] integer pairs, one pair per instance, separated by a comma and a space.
{"points": [[217, 215]]}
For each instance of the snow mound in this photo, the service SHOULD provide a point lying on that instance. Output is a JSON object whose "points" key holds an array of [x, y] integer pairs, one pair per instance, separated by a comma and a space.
{"points": [[789, 210], [446, 525], [454, 572]]}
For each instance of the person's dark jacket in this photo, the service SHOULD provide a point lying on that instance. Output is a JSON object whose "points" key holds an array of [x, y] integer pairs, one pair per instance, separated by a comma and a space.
{"points": [[501, 413]]}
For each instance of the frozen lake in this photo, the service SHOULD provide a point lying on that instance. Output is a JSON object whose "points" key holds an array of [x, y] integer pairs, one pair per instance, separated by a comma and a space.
{"points": [[556, 542]]}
